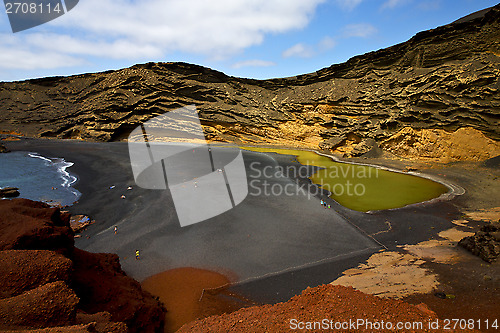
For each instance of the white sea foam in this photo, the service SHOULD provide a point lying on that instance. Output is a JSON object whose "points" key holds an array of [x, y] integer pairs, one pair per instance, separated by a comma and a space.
{"points": [[61, 165]]}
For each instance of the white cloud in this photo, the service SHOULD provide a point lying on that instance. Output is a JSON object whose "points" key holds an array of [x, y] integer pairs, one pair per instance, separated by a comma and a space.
{"points": [[429, 5], [362, 30], [145, 29], [394, 3], [348, 4], [302, 50], [253, 63], [115, 49], [24, 60], [15, 54], [211, 28], [299, 50], [327, 43]]}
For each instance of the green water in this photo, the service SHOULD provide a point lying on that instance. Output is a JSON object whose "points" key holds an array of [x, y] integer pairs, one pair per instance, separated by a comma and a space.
{"points": [[364, 188]]}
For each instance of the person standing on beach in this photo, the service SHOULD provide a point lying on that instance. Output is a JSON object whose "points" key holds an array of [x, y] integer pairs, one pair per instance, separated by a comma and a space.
{"points": [[323, 203], [136, 254], [116, 229]]}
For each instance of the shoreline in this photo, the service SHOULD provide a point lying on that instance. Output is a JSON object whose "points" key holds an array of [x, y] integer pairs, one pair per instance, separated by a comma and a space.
{"points": [[41, 178], [453, 189]]}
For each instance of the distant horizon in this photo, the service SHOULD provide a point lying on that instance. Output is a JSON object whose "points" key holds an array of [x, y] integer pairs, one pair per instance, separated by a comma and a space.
{"points": [[267, 42]]}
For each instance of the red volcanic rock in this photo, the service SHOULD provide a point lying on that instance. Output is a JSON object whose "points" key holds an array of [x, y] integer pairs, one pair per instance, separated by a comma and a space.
{"points": [[326, 304], [101, 322], [53, 304], [23, 270], [82, 328], [28, 230], [65, 329], [102, 286], [27, 224]]}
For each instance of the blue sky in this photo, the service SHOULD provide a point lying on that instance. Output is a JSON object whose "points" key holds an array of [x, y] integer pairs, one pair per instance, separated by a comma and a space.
{"points": [[246, 38]]}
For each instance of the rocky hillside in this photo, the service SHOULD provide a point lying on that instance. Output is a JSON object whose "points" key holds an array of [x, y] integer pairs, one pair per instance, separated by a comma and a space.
{"points": [[445, 78], [46, 282], [325, 308]]}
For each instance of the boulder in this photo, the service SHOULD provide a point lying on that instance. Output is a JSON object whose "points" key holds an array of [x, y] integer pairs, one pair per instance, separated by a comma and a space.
{"points": [[365, 147], [485, 243], [333, 143]]}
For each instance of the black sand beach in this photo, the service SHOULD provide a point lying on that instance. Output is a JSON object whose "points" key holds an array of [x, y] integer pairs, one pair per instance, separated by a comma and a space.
{"points": [[272, 246]]}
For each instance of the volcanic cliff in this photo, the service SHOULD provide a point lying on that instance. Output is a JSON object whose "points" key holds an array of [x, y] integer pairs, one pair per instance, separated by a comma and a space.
{"points": [[47, 282], [442, 79]]}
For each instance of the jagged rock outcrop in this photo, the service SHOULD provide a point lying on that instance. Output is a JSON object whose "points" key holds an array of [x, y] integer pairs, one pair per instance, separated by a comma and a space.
{"points": [[485, 243], [45, 281], [9, 192], [445, 78]]}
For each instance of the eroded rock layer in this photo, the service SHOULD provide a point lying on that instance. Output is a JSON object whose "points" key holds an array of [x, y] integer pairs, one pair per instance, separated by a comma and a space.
{"points": [[445, 78]]}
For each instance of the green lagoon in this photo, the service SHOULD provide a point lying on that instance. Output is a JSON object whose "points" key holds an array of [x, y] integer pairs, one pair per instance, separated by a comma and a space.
{"points": [[363, 188]]}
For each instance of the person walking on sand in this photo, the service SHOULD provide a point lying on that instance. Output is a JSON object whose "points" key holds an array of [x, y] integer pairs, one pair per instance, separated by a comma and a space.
{"points": [[136, 254], [116, 229]]}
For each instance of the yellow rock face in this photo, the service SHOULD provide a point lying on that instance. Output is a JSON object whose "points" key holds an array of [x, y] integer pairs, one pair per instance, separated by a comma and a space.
{"points": [[465, 144]]}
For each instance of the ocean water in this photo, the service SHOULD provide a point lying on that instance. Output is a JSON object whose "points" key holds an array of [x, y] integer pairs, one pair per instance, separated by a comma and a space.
{"points": [[39, 178]]}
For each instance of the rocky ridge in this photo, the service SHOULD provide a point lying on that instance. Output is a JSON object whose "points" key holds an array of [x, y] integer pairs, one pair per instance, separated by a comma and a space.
{"points": [[445, 78]]}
